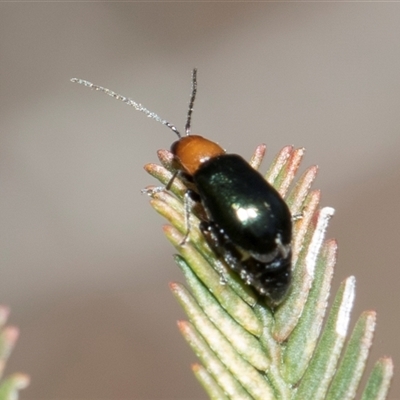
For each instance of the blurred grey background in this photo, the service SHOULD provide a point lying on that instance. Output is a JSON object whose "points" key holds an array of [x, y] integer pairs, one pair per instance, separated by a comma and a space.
{"points": [[84, 264]]}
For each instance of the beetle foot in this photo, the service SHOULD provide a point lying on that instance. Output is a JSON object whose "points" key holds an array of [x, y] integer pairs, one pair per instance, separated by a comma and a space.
{"points": [[151, 191]]}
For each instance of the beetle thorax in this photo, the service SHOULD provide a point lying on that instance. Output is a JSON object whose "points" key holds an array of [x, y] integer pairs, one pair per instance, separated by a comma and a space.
{"points": [[192, 151]]}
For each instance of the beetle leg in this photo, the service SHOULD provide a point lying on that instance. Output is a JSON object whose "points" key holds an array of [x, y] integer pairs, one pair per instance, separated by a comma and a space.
{"points": [[171, 181], [222, 246], [152, 191], [188, 201], [216, 241]]}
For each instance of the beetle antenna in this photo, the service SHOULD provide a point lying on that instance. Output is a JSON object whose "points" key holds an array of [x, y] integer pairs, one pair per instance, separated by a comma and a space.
{"points": [[132, 103], [191, 103]]}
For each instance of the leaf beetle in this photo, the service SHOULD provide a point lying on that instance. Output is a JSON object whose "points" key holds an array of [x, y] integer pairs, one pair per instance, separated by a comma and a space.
{"points": [[247, 223]]}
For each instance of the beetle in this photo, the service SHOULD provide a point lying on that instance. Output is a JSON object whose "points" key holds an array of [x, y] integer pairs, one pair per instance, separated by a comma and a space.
{"points": [[247, 223]]}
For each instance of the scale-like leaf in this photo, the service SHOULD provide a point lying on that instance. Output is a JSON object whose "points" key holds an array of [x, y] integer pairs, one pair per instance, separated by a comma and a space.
{"points": [[10, 386]]}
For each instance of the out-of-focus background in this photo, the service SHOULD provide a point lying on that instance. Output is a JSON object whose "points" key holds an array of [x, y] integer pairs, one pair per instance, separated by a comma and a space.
{"points": [[84, 264]]}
